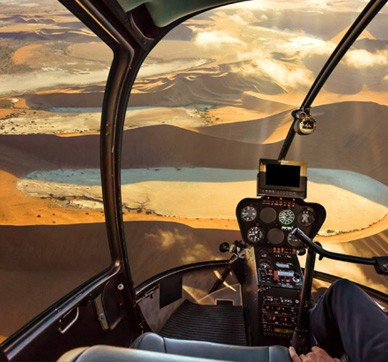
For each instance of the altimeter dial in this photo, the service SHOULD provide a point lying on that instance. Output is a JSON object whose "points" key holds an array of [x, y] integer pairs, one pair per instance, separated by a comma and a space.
{"points": [[248, 213], [255, 234], [286, 217]]}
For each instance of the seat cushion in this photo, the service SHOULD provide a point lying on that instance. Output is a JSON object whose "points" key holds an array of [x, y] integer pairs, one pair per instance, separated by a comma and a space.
{"points": [[103, 353], [209, 350]]}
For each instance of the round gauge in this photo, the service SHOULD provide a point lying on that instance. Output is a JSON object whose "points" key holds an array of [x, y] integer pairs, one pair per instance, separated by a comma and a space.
{"points": [[306, 218], [275, 236], [293, 240], [255, 234], [248, 213], [286, 217], [268, 215]]}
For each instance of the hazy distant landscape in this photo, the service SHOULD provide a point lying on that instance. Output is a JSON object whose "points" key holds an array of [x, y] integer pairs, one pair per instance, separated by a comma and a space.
{"points": [[210, 100]]}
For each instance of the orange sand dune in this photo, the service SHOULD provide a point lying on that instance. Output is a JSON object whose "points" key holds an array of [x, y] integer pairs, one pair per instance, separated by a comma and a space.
{"points": [[88, 97], [364, 35], [235, 145], [95, 51], [23, 154], [230, 114], [18, 209], [196, 87], [27, 54]]}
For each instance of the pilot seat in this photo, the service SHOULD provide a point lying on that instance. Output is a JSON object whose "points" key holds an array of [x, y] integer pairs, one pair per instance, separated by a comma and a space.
{"points": [[154, 348]]}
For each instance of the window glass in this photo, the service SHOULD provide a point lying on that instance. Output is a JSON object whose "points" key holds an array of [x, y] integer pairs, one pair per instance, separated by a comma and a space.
{"points": [[215, 96], [52, 234]]}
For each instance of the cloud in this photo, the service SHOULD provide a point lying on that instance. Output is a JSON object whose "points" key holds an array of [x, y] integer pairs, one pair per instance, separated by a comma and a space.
{"points": [[309, 45], [216, 38], [361, 58], [269, 52], [288, 78], [314, 5], [245, 17]]}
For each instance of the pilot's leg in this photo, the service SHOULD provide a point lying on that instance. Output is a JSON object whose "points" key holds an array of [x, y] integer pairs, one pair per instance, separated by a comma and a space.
{"points": [[347, 320]]}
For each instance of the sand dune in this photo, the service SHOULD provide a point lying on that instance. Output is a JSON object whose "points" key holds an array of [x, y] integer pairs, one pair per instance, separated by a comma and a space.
{"points": [[346, 122], [364, 35], [253, 100], [23, 54], [34, 152], [163, 145], [66, 98], [47, 35], [17, 208], [253, 132], [44, 273], [341, 121], [200, 193], [167, 146], [198, 86], [48, 273]]}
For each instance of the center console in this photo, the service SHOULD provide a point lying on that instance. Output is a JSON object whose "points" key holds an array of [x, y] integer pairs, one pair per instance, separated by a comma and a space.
{"points": [[278, 288], [273, 276]]}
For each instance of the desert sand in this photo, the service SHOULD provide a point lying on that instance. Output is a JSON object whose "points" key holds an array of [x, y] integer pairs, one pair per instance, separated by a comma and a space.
{"points": [[209, 102]]}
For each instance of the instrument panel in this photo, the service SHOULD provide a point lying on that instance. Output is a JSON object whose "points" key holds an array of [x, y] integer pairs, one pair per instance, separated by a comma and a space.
{"points": [[270, 220]]}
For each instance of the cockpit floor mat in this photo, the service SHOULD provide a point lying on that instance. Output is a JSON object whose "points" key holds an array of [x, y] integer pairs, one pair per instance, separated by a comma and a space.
{"points": [[222, 323]]}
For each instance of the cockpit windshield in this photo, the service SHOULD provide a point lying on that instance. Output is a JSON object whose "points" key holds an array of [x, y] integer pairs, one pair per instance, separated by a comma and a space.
{"points": [[216, 95]]}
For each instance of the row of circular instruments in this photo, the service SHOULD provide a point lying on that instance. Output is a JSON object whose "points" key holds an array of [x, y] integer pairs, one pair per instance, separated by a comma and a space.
{"points": [[285, 216], [273, 223]]}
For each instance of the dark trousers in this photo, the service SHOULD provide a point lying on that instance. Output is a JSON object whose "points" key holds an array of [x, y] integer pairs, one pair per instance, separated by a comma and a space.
{"points": [[347, 320]]}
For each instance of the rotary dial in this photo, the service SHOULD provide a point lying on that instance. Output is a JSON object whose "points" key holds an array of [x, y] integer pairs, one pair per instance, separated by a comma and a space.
{"points": [[248, 213], [255, 234], [286, 217]]}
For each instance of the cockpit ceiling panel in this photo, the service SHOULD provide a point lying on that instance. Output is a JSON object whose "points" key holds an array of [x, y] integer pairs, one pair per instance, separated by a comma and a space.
{"points": [[164, 12]]}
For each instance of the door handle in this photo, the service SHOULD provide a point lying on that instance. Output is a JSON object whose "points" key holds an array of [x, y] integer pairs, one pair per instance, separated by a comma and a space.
{"points": [[63, 330]]}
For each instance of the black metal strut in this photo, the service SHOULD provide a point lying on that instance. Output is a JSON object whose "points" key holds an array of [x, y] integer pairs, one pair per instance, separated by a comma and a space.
{"points": [[362, 21]]}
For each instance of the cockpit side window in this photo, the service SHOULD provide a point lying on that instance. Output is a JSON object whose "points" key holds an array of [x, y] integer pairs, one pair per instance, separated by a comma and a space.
{"points": [[52, 232]]}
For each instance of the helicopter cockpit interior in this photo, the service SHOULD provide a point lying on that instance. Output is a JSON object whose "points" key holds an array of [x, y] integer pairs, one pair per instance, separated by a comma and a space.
{"points": [[184, 181]]}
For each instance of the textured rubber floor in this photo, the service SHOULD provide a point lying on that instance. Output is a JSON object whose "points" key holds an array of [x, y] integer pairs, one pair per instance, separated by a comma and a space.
{"points": [[222, 323]]}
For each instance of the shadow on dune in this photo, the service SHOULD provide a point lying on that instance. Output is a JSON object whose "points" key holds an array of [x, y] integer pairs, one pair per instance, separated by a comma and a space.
{"points": [[40, 264], [347, 135]]}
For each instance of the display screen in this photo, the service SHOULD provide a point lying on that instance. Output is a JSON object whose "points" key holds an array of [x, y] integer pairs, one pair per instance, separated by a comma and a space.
{"points": [[283, 175], [282, 178]]}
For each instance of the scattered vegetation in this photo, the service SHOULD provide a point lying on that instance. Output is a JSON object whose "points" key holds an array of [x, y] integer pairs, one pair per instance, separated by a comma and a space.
{"points": [[205, 116], [141, 206]]}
